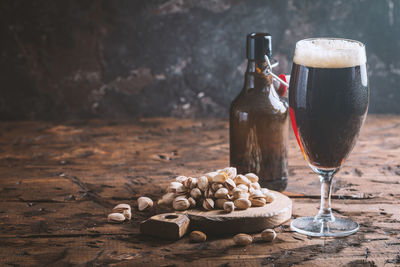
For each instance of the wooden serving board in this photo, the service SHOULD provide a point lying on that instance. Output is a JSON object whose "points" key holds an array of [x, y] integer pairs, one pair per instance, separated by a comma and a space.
{"points": [[242, 221]]}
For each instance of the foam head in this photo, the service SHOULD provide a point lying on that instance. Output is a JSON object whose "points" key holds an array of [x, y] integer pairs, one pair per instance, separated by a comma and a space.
{"points": [[329, 53]]}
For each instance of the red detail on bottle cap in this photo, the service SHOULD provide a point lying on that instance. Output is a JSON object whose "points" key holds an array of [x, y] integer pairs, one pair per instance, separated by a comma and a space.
{"points": [[282, 88]]}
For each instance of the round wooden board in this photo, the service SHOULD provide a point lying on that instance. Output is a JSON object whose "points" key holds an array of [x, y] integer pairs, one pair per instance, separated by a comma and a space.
{"points": [[242, 221]]}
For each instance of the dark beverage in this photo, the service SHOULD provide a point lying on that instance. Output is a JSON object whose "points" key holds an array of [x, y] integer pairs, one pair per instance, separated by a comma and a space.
{"points": [[328, 96], [259, 122], [327, 108]]}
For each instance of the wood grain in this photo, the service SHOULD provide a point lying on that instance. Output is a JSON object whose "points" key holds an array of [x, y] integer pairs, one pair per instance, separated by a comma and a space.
{"points": [[252, 220], [58, 182]]}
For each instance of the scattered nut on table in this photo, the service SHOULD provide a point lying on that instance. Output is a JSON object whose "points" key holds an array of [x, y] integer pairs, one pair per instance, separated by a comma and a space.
{"points": [[120, 213], [116, 217], [197, 237], [121, 207], [243, 239], [268, 235], [144, 203]]}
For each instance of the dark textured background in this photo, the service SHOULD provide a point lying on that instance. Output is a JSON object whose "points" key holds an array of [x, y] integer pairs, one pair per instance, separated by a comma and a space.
{"points": [[125, 59]]}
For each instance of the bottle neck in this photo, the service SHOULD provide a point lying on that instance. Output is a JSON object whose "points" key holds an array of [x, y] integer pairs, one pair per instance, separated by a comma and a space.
{"points": [[256, 77]]}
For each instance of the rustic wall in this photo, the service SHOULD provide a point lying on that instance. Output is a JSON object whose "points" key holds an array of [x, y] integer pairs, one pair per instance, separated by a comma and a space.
{"points": [[124, 59]]}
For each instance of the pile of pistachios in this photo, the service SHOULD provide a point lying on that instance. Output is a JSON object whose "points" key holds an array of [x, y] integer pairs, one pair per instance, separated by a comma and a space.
{"points": [[221, 189]]}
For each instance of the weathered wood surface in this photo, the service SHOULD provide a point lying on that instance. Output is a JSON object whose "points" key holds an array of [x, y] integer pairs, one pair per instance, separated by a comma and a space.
{"points": [[58, 182], [253, 220]]}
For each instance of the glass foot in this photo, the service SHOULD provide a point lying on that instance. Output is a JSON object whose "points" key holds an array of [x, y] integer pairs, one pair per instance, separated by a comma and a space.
{"points": [[338, 227]]}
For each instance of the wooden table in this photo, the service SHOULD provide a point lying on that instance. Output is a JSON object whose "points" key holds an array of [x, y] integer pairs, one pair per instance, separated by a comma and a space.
{"points": [[58, 182]]}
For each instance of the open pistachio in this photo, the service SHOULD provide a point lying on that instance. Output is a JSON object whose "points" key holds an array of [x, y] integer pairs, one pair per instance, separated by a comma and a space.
{"points": [[181, 179], [202, 183], [256, 194], [180, 203], [257, 202], [255, 186], [176, 187], [243, 187], [220, 177], [216, 186], [242, 203], [192, 202], [269, 197], [252, 177], [167, 198], [240, 194], [241, 179], [230, 171], [209, 193], [208, 204], [221, 193], [190, 183], [127, 214], [121, 207], [144, 203], [116, 217], [230, 184], [210, 176], [195, 193], [229, 206]]}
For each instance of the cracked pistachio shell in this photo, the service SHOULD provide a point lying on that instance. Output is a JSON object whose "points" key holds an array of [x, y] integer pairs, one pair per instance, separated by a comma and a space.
{"points": [[242, 203], [229, 206], [252, 177], [230, 171], [121, 207], [208, 204], [144, 203], [241, 179], [116, 217], [221, 193], [202, 183]]}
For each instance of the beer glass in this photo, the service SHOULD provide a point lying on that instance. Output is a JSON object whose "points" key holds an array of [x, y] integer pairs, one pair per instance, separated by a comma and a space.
{"points": [[328, 99]]}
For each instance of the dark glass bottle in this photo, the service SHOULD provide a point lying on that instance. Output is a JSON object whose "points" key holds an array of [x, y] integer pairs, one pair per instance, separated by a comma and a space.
{"points": [[259, 125]]}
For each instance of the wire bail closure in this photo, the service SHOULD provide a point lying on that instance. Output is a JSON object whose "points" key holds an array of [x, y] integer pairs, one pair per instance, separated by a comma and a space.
{"points": [[276, 77]]}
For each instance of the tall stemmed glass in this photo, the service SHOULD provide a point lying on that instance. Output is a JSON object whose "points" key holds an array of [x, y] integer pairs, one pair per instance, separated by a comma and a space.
{"points": [[328, 98]]}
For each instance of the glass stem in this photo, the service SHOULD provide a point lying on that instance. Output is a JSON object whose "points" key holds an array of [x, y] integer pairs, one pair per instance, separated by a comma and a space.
{"points": [[325, 212]]}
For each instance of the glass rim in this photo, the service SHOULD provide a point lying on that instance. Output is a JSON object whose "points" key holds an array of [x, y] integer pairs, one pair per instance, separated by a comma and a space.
{"points": [[362, 45]]}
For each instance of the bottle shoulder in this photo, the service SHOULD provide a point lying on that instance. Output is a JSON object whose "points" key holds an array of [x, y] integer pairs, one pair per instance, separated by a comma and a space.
{"points": [[267, 102]]}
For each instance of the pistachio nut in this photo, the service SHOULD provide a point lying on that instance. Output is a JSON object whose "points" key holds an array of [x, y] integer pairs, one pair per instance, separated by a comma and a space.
{"points": [[243, 239], [252, 177], [116, 217], [230, 184], [181, 179], [192, 202], [197, 237], [195, 193], [121, 207], [208, 204], [180, 203], [242, 203], [144, 203], [268, 235], [202, 183], [241, 179], [229, 206], [221, 193], [257, 202]]}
